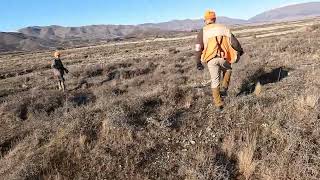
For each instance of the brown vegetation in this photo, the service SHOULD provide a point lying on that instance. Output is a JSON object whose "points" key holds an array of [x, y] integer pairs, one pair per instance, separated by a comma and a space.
{"points": [[137, 111]]}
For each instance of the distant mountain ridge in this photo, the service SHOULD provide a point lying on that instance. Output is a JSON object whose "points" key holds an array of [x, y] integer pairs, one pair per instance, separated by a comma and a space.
{"points": [[21, 42], [191, 24], [44, 37], [291, 12], [109, 32], [94, 32]]}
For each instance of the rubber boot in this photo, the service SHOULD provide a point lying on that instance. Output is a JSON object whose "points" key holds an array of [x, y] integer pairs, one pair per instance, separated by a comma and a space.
{"points": [[217, 100], [226, 82]]}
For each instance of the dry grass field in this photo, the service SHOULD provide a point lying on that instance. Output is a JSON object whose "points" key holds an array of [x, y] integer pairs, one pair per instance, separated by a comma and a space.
{"points": [[143, 111]]}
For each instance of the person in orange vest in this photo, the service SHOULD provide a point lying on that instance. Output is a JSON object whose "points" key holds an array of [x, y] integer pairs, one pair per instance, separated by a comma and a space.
{"points": [[59, 70], [219, 49]]}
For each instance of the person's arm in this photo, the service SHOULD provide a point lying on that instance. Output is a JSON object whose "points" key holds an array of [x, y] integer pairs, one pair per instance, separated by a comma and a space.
{"points": [[236, 45], [199, 48], [64, 69]]}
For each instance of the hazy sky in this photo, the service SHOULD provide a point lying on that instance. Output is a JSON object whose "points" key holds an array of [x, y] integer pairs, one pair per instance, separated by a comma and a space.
{"points": [[15, 14]]}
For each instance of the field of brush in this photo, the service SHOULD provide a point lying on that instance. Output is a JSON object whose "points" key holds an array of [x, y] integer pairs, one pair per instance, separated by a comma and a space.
{"points": [[142, 111]]}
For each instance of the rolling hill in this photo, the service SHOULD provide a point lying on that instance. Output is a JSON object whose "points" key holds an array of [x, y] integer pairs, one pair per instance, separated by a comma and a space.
{"points": [[190, 24], [292, 12], [111, 32], [21, 42], [94, 32]]}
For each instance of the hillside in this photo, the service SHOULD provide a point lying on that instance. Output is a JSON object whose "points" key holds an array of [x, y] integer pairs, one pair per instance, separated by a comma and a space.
{"points": [[110, 32], [292, 12], [19, 41], [188, 24], [91, 33]]}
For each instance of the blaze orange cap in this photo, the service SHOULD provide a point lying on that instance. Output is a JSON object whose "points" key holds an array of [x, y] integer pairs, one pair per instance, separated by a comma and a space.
{"points": [[209, 15]]}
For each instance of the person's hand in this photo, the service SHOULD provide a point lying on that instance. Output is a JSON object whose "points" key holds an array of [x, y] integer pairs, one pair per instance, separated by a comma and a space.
{"points": [[200, 67], [241, 53]]}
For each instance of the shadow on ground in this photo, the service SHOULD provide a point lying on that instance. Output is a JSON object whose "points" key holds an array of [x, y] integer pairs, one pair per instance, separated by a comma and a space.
{"points": [[276, 75]]}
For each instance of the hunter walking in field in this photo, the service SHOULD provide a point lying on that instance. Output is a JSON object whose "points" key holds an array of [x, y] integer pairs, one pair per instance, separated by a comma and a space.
{"points": [[59, 70], [218, 48]]}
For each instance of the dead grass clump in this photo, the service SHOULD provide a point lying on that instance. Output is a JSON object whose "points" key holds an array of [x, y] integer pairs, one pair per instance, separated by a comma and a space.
{"points": [[228, 145], [135, 111], [173, 51], [131, 73], [83, 84], [9, 143], [122, 65], [81, 98], [189, 54], [240, 153], [225, 166], [175, 95], [310, 100], [115, 74], [315, 27], [47, 103], [18, 108], [125, 72], [118, 91], [108, 133], [94, 70], [21, 111], [300, 45], [76, 72], [246, 163], [258, 89], [32, 106]]}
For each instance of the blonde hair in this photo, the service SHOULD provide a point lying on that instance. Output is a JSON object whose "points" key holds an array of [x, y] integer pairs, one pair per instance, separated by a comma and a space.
{"points": [[56, 54]]}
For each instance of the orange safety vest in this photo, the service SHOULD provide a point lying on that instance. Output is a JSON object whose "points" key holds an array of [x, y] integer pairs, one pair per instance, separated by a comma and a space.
{"points": [[217, 43]]}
